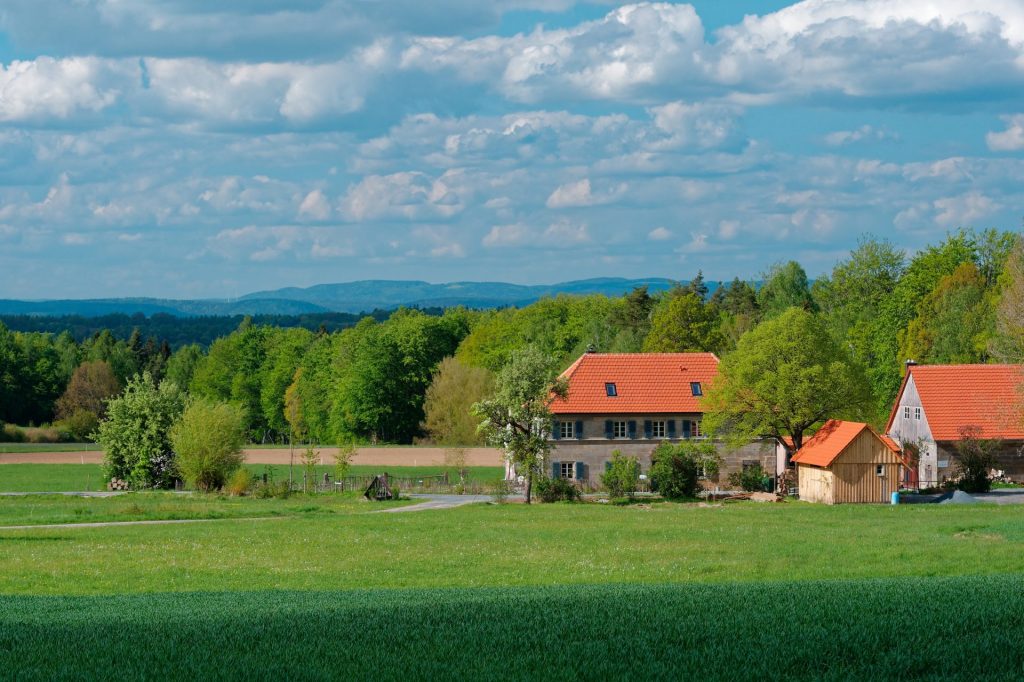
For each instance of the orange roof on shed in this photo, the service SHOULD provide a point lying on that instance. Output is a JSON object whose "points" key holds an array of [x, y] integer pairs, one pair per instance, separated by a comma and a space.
{"points": [[829, 442], [955, 396], [644, 383]]}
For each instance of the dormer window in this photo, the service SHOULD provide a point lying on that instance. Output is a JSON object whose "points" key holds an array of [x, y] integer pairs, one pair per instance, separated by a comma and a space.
{"points": [[696, 389], [610, 390]]}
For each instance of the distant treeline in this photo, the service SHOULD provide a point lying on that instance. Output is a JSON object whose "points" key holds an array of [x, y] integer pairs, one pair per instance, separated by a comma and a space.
{"points": [[181, 331]]}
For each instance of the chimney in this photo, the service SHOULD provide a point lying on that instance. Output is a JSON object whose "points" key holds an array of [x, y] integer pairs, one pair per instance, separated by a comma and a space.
{"points": [[910, 363], [591, 349]]}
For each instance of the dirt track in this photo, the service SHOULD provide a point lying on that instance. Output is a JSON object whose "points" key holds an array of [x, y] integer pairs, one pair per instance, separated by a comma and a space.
{"points": [[373, 456]]}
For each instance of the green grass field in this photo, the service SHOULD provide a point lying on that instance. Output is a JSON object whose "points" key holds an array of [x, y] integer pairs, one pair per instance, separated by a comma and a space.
{"points": [[584, 591], [87, 477]]}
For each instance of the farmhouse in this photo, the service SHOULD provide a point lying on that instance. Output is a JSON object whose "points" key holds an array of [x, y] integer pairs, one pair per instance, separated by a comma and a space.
{"points": [[938, 404], [631, 402], [848, 462]]}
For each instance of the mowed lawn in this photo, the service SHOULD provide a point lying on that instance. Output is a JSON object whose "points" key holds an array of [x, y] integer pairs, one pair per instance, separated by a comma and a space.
{"points": [[587, 591], [88, 477]]}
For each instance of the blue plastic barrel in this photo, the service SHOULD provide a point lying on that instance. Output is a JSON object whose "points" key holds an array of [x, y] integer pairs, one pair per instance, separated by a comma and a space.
{"points": [[896, 497]]}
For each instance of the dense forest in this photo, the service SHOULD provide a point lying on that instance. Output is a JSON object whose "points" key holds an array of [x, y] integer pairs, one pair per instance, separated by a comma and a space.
{"points": [[413, 375], [180, 331]]}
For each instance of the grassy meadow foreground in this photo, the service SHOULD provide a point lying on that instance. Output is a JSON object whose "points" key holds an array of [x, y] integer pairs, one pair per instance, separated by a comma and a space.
{"points": [[583, 591]]}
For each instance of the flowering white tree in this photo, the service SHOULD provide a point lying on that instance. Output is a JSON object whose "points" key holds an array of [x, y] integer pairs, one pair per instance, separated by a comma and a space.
{"points": [[518, 417]]}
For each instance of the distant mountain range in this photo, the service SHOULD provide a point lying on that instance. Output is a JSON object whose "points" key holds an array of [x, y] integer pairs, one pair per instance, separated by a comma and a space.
{"points": [[348, 297]]}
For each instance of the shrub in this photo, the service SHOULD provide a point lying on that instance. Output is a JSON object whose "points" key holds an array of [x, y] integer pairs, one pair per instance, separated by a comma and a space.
{"points": [[80, 424], [343, 461], [750, 479], [11, 434], [622, 476], [135, 433], [676, 470], [208, 441], [500, 490], [240, 482], [975, 458], [557, 490]]}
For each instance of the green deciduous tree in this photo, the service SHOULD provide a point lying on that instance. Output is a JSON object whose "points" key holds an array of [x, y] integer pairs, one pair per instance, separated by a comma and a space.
{"points": [[207, 441], [448, 405], [1007, 344], [181, 366], [785, 286], [784, 377], [518, 416], [954, 322], [135, 436], [684, 324]]}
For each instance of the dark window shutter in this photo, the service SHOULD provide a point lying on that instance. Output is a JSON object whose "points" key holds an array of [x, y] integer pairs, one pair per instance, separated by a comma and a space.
{"points": [[581, 471], [607, 465], [555, 432], [648, 429], [686, 428], [631, 426], [555, 469], [579, 429], [607, 428], [671, 423]]}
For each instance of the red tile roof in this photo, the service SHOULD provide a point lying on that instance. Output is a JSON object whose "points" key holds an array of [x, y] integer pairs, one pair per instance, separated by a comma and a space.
{"points": [[832, 438], [954, 396], [644, 383], [891, 444]]}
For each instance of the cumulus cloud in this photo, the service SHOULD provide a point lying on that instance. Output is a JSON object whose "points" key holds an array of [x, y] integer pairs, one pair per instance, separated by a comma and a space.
{"points": [[1009, 140], [409, 195], [963, 210], [315, 206], [659, 234], [47, 88]]}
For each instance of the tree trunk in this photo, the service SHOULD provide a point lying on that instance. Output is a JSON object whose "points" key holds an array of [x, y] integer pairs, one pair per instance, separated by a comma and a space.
{"points": [[529, 486]]}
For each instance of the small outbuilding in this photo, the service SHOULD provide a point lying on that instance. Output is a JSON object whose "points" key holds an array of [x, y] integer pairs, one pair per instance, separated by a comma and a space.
{"points": [[848, 462]]}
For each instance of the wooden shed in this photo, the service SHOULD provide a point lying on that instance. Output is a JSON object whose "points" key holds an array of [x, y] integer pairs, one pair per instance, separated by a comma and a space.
{"points": [[848, 462]]}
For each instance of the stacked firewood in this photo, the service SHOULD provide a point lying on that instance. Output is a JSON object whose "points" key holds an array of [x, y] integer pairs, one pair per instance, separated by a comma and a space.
{"points": [[117, 484]]}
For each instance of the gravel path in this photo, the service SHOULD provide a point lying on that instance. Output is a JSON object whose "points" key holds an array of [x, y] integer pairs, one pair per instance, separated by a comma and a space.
{"points": [[438, 502]]}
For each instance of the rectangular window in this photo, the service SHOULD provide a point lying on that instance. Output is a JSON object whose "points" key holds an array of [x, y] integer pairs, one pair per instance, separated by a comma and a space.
{"points": [[565, 430], [695, 429], [695, 388], [906, 413], [917, 413], [568, 470], [618, 429], [658, 429], [610, 390], [879, 470]]}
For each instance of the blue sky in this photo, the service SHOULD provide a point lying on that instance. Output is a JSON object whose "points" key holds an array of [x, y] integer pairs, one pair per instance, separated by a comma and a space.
{"points": [[180, 148]]}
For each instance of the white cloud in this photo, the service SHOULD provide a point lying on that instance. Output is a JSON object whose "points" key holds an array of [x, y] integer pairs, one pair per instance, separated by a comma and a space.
{"points": [[964, 210], [1009, 140], [508, 235], [659, 234], [571, 194], [401, 195], [315, 206], [727, 229], [841, 138], [566, 233], [46, 88]]}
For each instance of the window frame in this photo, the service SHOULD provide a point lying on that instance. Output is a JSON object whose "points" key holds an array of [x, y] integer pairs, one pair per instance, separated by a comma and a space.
{"points": [[611, 390], [906, 411], [564, 432], [696, 390], [917, 414], [880, 470], [571, 467], [659, 429], [695, 431], [616, 432]]}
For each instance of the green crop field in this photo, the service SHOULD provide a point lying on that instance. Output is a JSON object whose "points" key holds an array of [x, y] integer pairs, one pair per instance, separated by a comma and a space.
{"points": [[587, 591]]}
